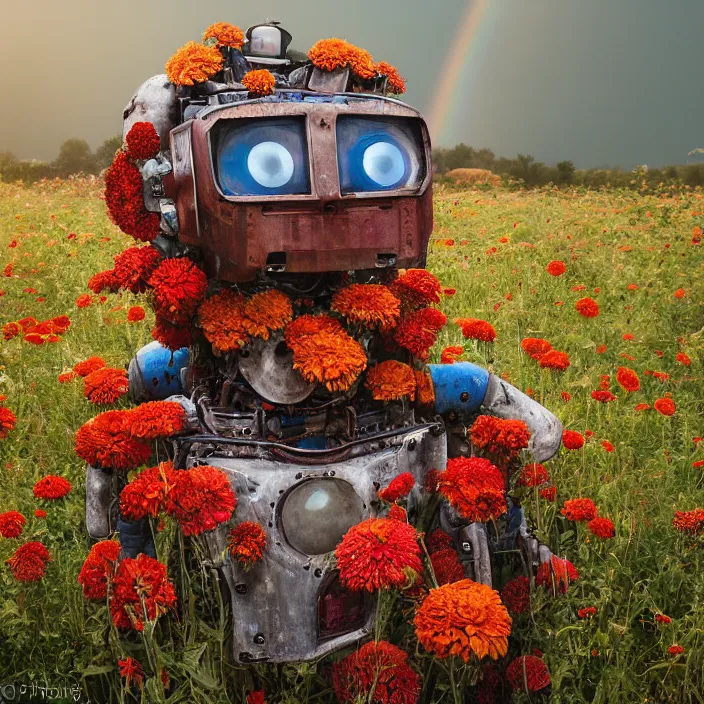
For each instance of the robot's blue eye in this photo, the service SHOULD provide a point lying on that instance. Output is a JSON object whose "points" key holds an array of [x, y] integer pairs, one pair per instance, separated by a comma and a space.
{"points": [[379, 154], [261, 157]]}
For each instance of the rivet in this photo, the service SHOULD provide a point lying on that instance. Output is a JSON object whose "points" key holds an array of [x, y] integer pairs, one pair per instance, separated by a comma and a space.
{"points": [[241, 588], [259, 639], [464, 397]]}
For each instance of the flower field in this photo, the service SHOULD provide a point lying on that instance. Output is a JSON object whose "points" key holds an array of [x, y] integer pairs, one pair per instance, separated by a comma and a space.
{"points": [[591, 302]]}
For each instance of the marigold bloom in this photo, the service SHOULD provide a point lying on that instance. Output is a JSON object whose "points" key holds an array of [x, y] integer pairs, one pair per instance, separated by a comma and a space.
{"points": [[603, 396], [447, 566], [193, 63], [28, 563], [395, 83], [331, 54], [398, 513], [683, 358], [84, 300], [505, 438], [11, 524], [451, 354], [528, 673], [474, 487], [418, 331], [309, 325], [10, 330], [549, 493], [8, 420], [601, 527], [556, 575], [173, 337], [105, 386], [131, 671], [148, 493], [665, 406], [52, 487], [536, 347], [131, 271], [675, 650], [476, 329], [516, 595], [627, 379], [399, 487], [608, 446], [371, 305], [533, 474], [201, 499], [179, 287], [223, 321], [555, 360], [462, 618], [379, 553], [378, 673], [572, 440], [689, 521], [267, 311], [417, 288], [556, 268], [225, 34], [579, 509], [142, 141], [246, 544], [135, 314], [331, 358], [587, 307], [99, 566], [140, 585], [156, 419], [661, 618], [88, 366], [390, 380], [259, 82]]}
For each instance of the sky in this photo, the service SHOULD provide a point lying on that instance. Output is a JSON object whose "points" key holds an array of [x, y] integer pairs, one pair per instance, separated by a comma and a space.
{"points": [[600, 82]]}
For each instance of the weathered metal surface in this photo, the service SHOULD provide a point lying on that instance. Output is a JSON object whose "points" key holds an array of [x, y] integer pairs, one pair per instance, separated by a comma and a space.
{"points": [[101, 502]]}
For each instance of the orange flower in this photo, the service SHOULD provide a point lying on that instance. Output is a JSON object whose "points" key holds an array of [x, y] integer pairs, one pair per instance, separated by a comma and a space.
{"points": [[105, 385], [689, 521], [425, 391], [474, 487], [331, 358], [476, 329], [579, 510], [10, 330], [225, 34], [395, 82], [417, 288], [267, 311], [556, 268], [222, 320], [680, 293], [89, 365], [331, 54], [307, 325], [627, 379], [391, 380], [418, 331], [179, 287], [156, 419], [379, 553], [536, 347], [135, 314], [8, 420], [193, 63], [246, 544], [371, 305], [259, 83], [462, 618], [505, 438], [587, 307], [665, 406], [555, 360], [451, 354]]}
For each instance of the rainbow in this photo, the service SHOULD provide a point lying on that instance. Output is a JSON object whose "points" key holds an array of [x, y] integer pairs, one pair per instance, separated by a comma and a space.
{"points": [[457, 57]]}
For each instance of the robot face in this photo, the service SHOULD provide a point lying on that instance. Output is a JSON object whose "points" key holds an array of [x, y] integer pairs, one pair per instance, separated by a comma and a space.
{"points": [[304, 183]]}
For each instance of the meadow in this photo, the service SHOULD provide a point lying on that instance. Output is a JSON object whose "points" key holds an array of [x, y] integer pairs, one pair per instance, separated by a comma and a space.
{"points": [[637, 254]]}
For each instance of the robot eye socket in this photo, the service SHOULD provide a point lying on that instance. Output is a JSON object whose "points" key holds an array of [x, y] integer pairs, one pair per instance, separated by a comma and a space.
{"points": [[379, 154], [261, 157]]}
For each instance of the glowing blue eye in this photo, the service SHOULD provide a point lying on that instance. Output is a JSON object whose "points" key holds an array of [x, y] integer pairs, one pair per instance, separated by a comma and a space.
{"points": [[270, 164], [383, 162]]}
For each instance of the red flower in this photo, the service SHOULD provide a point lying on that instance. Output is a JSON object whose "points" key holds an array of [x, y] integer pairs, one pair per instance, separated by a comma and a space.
{"points": [[602, 528], [246, 544], [399, 487], [147, 494], [627, 379], [528, 673], [105, 386], [609, 447], [10, 330], [256, 697], [418, 331], [142, 141], [156, 419], [378, 673], [11, 523], [549, 493], [89, 365], [398, 513], [28, 563], [130, 669], [476, 329], [642, 407], [661, 618], [680, 293], [140, 585], [474, 487], [52, 487], [556, 268], [447, 566], [579, 510], [533, 474], [675, 650], [665, 406], [201, 500], [8, 420], [556, 575], [84, 300], [39, 513], [497, 436], [417, 288], [171, 336], [587, 307], [67, 377], [536, 347], [555, 360], [132, 268], [98, 567], [603, 396], [600, 349], [689, 521], [391, 380], [566, 396], [135, 314], [451, 354], [379, 553], [516, 595], [438, 540], [572, 440], [179, 287]]}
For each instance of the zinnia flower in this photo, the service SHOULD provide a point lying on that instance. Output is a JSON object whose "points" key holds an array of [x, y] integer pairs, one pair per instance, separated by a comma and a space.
{"points": [[451, 354], [556, 268], [627, 379], [505, 438], [135, 314], [642, 407], [555, 360], [148, 493], [106, 385], [661, 618], [689, 521], [131, 671], [84, 300], [556, 575], [572, 440], [533, 474], [665, 406], [417, 288], [11, 524], [10, 330], [549, 493], [579, 509], [88, 366], [173, 337], [99, 566], [516, 595], [246, 544], [474, 487], [528, 673], [331, 54], [193, 63], [156, 419], [141, 590], [52, 487], [371, 305], [267, 311], [601, 527], [395, 83], [8, 420], [391, 380], [223, 322], [378, 673], [608, 446], [28, 563], [179, 287], [418, 331], [447, 566], [142, 141], [225, 34], [259, 82], [462, 618], [675, 650], [603, 396], [587, 307], [476, 329], [536, 347], [683, 358], [379, 553], [399, 487]]}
